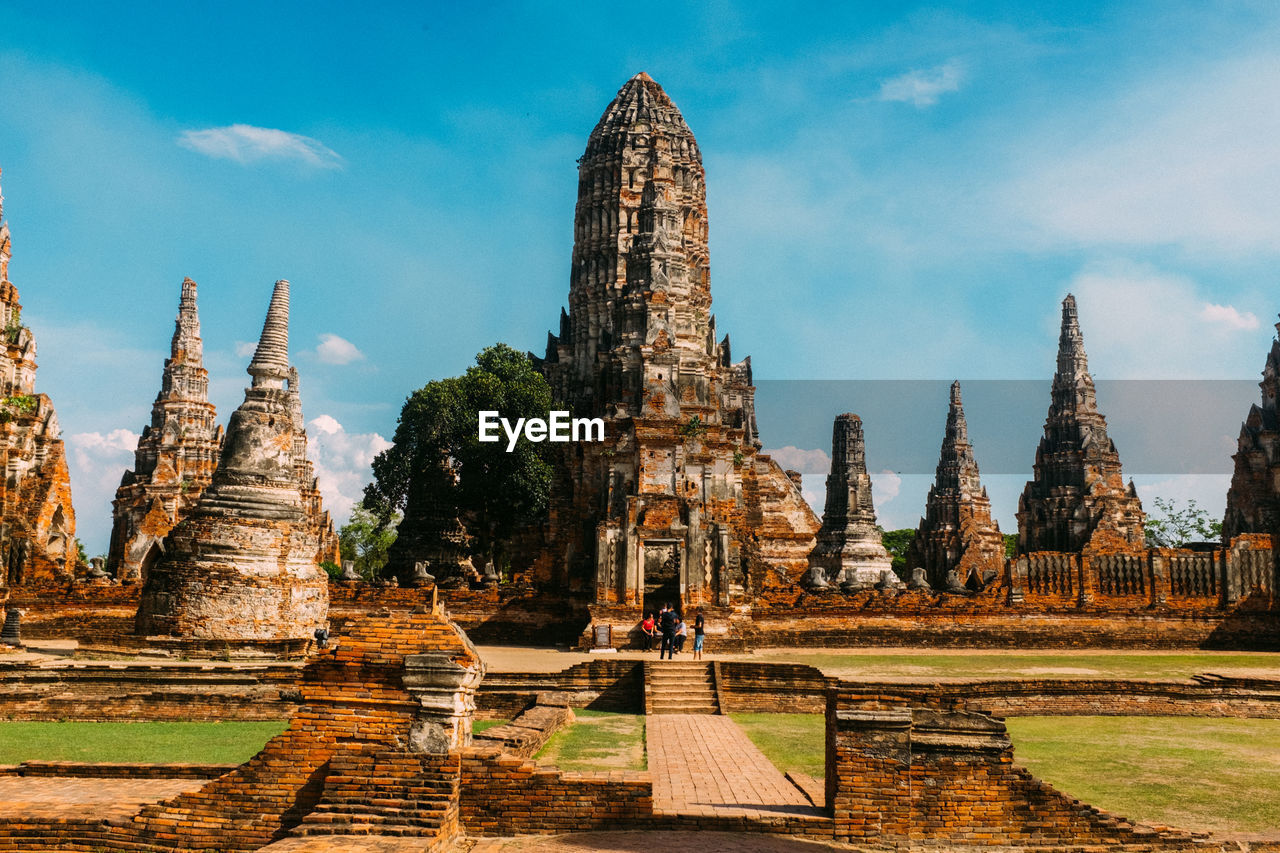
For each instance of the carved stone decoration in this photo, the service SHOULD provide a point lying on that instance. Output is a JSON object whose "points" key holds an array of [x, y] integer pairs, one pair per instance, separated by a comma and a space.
{"points": [[957, 530], [638, 348], [849, 545], [1077, 496], [349, 572], [37, 521], [244, 565], [445, 690]]}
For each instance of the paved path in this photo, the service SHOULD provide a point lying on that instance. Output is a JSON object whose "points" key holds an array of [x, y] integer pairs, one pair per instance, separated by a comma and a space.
{"points": [[70, 797], [706, 765], [648, 842]]}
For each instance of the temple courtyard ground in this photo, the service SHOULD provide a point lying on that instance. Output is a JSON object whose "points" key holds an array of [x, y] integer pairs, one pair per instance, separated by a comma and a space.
{"points": [[1217, 775]]}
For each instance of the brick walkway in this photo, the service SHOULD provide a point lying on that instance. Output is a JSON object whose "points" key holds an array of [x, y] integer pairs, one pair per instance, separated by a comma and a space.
{"points": [[64, 797], [648, 842], [705, 765]]}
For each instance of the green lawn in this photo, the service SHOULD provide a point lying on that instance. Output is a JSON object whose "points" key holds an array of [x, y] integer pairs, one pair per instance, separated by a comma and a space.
{"points": [[1193, 773], [597, 740], [982, 664], [477, 726], [148, 743], [793, 742]]}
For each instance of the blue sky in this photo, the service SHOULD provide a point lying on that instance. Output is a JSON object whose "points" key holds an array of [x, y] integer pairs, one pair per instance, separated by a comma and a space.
{"points": [[895, 191]]}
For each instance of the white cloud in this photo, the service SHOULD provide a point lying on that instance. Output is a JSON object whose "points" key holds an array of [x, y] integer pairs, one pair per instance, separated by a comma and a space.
{"points": [[885, 486], [245, 349], [337, 350], [1229, 316], [923, 88], [247, 144], [1187, 159], [1209, 491], [97, 461], [1143, 323], [793, 458], [342, 463]]}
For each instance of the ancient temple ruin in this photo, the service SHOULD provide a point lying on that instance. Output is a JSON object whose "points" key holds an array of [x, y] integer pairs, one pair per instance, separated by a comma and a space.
{"points": [[1077, 496], [677, 504], [245, 564], [37, 522], [1253, 501], [957, 533], [849, 550], [176, 454]]}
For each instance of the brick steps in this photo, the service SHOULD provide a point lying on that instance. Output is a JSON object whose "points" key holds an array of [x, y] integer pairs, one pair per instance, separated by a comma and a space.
{"points": [[371, 792], [686, 687]]}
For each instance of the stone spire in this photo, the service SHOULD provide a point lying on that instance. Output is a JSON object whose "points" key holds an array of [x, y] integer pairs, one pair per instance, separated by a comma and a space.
{"points": [[270, 365], [1253, 501], [638, 347], [957, 532], [244, 565], [37, 522], [176, 454], [1077, 493], [849, 547]]}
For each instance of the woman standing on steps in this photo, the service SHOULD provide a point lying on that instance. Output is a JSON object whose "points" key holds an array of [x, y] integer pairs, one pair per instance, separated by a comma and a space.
{"points": [[699, 634]]}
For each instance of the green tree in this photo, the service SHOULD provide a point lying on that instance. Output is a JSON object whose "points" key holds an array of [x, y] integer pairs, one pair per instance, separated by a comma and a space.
{"points": [[494, 491], [897, 542], [1010, 545], [1178, 525], [364, 540]]}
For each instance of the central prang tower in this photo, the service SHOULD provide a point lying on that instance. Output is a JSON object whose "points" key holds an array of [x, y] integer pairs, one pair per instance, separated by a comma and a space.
{"points": [[677, 504]]}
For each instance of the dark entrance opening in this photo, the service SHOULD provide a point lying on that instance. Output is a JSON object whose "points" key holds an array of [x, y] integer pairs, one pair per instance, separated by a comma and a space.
{"points": [[661, 575]]}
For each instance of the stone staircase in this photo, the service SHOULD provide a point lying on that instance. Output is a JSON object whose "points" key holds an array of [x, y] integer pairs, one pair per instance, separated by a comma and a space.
{"points": [[380, 792], [680, 687]]}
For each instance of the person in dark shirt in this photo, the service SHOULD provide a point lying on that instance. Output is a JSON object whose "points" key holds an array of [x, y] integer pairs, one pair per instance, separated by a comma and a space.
{"points": [[667, 622], [699, 634]]}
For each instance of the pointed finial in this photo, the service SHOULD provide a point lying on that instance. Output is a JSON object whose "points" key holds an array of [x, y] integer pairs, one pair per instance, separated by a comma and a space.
{"points": [[186, 345], [955, 393], [270, 365]]}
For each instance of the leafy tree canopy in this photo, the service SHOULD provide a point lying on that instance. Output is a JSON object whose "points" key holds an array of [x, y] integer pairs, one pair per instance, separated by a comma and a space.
{"points": [[896, 542], [493, 490], [365, 540], [1177, 525]]}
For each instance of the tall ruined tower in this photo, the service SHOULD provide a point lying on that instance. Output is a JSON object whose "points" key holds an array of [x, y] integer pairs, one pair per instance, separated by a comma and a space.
{"points": [[849, 548], [244, 565], [957, 531], [677, 504], [1077, 496], [176, 454], [1253, 501], [37, 522]]}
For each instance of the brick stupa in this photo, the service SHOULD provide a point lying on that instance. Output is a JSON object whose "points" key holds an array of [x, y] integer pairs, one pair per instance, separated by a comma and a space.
{"points": [[677, 504], [176, 455], [849, 548], [1077, 496], [957, 532], [244, 565], [1253, 501], [37, 522]]}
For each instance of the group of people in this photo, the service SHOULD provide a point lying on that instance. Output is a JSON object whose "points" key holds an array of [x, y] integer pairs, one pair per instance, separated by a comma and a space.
{"points": [[672, 629]]}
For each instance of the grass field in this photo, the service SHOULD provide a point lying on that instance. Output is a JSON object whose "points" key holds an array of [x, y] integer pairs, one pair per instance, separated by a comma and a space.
{"points": [[982, 664], [152, 743], [597, 741], [1193, 773], [793, 742]]}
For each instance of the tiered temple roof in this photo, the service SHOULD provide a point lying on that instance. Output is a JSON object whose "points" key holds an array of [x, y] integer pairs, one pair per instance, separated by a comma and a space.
{"points": [[176, 455], [957, 532], [1077, 496]]}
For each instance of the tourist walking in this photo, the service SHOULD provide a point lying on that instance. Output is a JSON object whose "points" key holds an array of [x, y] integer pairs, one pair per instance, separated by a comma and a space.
{"points": [[699, 634], [667, 623]]}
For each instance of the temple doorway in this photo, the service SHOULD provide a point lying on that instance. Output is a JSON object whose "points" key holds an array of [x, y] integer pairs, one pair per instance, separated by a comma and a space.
{"points": [[661, 575]]}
